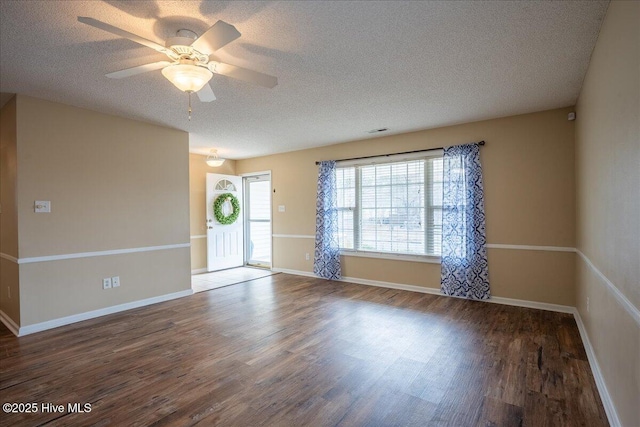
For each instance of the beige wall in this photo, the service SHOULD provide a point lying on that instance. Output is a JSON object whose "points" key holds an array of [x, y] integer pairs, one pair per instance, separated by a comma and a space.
{"points": [[9, 289], [63, 288], [529, 191], [10, 282], [198, 171], [113, 184], [608, 203]]}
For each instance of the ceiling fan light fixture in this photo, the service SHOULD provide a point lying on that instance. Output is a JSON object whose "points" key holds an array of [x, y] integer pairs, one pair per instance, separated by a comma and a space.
{"points": [[187, 77], [213, 160]]}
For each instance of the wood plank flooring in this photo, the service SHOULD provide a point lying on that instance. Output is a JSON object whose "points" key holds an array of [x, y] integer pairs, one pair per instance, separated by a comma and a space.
{"points": [[293, 351]]}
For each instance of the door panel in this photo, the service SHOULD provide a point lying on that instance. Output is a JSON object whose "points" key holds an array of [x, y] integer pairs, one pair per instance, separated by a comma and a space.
{"points": [[224, 242]]}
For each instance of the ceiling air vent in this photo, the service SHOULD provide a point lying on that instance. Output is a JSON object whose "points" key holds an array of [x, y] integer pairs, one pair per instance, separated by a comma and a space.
{"points": [[378, 130]]}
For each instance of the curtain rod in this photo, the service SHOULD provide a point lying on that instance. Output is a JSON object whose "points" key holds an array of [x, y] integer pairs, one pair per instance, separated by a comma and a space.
{"points": [[397, 154]]}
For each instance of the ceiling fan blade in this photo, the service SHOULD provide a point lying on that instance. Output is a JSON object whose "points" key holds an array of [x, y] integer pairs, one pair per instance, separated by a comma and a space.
{"points": [[122, 33], [206, 94], [215, 37], [243, 74], [128, 72]]}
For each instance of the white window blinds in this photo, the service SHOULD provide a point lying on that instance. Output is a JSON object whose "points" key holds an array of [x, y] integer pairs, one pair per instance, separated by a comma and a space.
{"points": [[392, 207]]}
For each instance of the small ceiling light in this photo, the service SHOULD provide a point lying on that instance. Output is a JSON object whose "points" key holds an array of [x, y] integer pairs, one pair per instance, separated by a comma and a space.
{"points": [[213, 160]]}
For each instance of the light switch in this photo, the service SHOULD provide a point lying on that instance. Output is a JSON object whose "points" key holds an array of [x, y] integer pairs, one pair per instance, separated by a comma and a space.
{"points": [[42, 206], [281, 208]]}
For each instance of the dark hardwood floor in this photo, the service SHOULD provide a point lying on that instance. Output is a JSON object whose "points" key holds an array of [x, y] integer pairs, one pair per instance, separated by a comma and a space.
{"points": [[293, 351]]}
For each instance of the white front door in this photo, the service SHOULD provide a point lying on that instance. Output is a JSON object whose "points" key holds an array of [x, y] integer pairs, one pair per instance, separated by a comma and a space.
{"points": [[224, 241]]}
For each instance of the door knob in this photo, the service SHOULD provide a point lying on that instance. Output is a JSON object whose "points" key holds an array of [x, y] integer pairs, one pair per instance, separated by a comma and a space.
{"points": [[209, 227]]}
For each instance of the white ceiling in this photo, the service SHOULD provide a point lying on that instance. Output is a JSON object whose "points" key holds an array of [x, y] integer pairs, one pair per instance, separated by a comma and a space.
{"points": [[344, 67]]}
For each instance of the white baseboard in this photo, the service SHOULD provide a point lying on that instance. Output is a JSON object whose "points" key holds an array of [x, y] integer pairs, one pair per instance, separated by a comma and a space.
{"points": [[434, 291], [609, 408], [612, 415], [532, 304], [62, 321], [391, 285], [199, 271], [294, 272], [9, 323]]}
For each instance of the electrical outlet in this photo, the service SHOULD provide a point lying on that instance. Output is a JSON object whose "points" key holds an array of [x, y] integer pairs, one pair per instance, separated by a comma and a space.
{"points": [[306, 256], [588, 304], [115, 281], [106, 283]]}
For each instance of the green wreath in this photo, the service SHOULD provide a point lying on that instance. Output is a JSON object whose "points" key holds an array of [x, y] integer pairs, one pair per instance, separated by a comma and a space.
{"points": [[219, 214]]}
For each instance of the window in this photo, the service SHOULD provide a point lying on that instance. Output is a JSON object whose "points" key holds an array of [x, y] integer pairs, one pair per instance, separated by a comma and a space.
{"points": [[225, 185], [393, 207]]}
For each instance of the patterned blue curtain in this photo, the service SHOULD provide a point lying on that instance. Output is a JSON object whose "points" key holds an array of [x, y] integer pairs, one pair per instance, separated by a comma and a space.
{"points": [[464, 267], [326, 260]]}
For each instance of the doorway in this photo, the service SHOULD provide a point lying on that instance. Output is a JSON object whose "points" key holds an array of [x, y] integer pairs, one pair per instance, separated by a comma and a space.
{"points": [[257, 224]]}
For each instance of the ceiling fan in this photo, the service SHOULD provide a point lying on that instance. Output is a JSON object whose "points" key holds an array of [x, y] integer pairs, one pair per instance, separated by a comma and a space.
{"points": [[191, 64]]}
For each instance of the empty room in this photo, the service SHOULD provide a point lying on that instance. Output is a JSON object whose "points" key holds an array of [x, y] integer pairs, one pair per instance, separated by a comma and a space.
{"points": [[320, 213]]}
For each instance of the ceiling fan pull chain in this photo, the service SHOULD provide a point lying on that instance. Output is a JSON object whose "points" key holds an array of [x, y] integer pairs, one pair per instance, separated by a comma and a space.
{"points": [[189, 106]]}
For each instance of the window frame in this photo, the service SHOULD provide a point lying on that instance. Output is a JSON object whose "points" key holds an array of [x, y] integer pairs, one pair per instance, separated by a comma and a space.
{"points": [[429, 207]]}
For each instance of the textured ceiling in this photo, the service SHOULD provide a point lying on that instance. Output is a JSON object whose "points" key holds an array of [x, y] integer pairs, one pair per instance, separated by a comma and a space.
{"points": [[344, 68]]}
